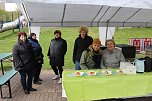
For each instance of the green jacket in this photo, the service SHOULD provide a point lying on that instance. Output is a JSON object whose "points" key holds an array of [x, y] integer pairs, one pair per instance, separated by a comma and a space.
{"points": [[86, 61]]}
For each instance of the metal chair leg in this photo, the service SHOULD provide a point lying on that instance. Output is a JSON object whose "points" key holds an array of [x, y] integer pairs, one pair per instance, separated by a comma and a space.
{"points": [[1, 92], [9, 89], [2, 66]]}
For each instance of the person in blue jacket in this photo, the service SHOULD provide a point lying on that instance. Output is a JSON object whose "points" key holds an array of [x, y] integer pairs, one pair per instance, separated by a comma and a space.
{"points": [[38, 60]]}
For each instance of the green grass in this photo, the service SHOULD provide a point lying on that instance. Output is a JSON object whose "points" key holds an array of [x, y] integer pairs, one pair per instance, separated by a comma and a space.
{"points": [[123, 35], [69, 34], [8, 39], [7, 16]]}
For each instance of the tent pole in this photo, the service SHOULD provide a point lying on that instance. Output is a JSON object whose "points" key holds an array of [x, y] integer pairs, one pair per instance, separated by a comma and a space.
{"points": [[12, 20], [107, 30], [19, 22]]}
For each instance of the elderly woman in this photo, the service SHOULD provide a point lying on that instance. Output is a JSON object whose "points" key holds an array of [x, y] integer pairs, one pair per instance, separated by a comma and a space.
{"points": [[91, 57], [82, 42], [111, 56], [23, 61]]}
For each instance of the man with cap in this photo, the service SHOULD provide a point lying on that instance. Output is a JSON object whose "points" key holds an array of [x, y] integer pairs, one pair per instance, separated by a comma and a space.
{"points": [[91, 57], [56, 52]]}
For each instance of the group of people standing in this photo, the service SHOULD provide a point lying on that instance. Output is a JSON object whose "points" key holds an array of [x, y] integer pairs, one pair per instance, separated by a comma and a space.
{"points": [[87, 54], [28, 60]]}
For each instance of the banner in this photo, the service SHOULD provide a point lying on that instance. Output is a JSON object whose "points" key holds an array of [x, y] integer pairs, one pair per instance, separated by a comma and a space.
{"points": [[140, 43]]}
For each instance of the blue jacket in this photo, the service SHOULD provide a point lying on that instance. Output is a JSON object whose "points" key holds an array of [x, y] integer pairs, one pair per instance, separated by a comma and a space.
{"points": [[37, 49]]}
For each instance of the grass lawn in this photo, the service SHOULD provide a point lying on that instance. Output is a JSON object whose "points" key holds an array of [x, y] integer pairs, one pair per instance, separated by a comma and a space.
{"points": [[69, 34], [8, 39]]}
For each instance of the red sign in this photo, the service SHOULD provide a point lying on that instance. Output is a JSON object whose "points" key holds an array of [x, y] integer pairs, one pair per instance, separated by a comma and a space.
{"points": [[146, 42], [136, 43], [140, 43]]}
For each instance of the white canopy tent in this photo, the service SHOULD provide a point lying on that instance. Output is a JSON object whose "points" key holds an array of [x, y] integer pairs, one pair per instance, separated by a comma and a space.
{"points": [[67, 15], [98, 13]]}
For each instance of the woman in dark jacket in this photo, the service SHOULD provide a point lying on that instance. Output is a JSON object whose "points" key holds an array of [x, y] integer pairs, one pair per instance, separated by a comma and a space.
{"points": [[23, 61], [81, 44], [38, 60], [56, 52]]}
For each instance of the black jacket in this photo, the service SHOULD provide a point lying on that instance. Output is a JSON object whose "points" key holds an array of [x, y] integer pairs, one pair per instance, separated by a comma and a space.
{"points": [[56, 52], [23, 56], [80, 45]]}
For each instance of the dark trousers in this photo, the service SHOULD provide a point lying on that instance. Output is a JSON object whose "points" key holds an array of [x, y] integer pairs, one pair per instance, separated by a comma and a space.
{"points": [[56, 69], [26, 83], [37, 71]]}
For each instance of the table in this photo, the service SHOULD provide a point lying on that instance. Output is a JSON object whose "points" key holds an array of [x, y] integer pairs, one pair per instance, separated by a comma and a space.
{"points": [[104, 87], [4, 56]]}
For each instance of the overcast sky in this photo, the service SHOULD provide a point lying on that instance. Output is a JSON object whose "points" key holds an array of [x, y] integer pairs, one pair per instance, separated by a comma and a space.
{"points": [[10, 7]]}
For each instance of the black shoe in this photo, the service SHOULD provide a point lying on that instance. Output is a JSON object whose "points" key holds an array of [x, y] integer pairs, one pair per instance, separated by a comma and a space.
{"points": [[26, 92], [39, 79], [32, 89], [38, 83]]}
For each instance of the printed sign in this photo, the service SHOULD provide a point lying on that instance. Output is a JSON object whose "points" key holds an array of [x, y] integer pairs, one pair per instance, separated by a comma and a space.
{"points": [[140, 43]]}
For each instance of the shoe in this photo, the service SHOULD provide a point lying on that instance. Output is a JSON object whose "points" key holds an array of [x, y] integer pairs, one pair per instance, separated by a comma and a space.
{"points": [[60, 81], [40, 79], [55, 77], [38, 83], [26, 92], [33, 89]]}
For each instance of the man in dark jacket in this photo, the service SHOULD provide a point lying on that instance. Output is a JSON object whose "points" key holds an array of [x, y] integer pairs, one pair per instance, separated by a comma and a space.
{"points": [[81, 43], [56, 52], [38, 60]]}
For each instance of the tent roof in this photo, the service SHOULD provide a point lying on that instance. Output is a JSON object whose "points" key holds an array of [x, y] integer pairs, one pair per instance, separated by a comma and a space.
{"points": [[119, 3], [102, 13], [42, 14]]}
